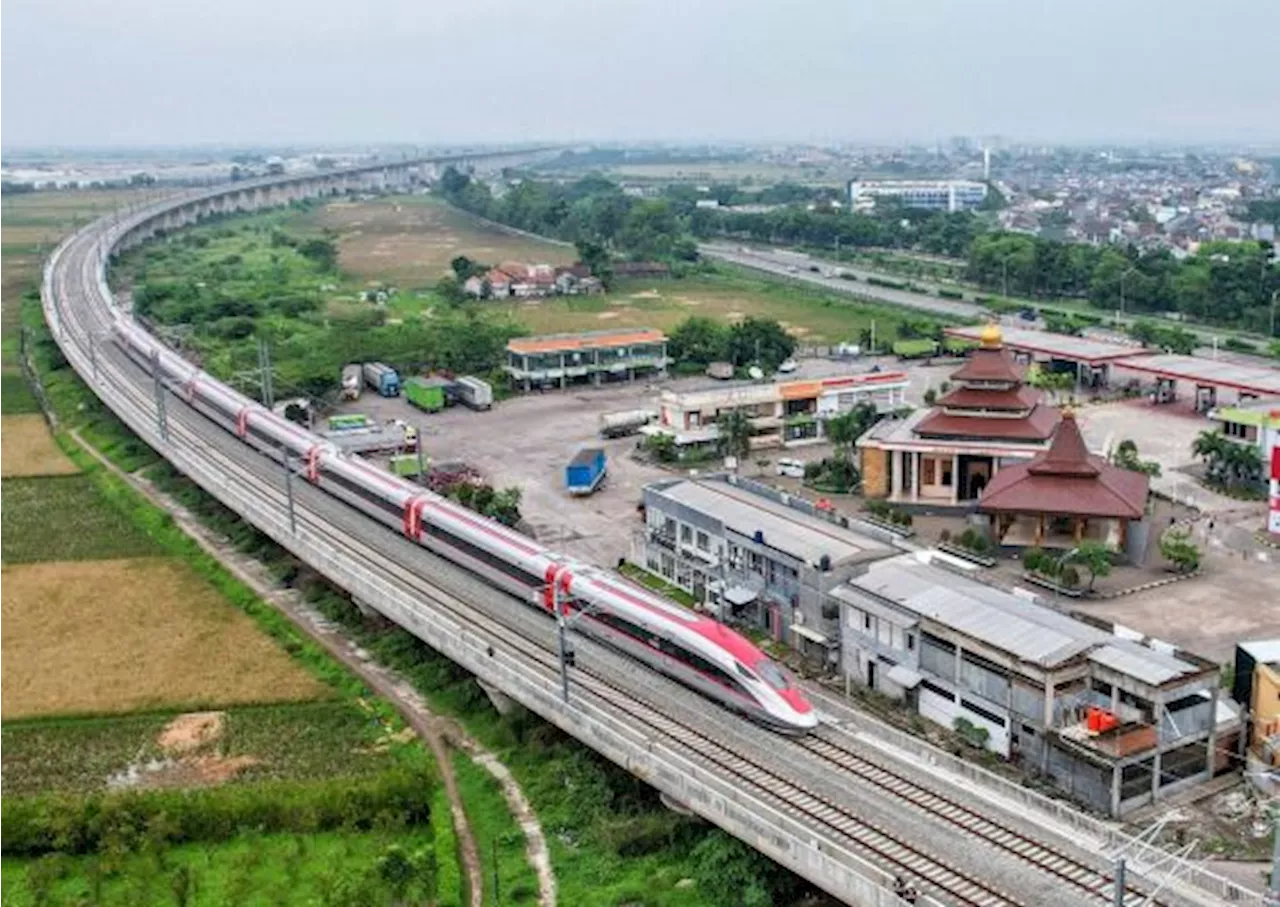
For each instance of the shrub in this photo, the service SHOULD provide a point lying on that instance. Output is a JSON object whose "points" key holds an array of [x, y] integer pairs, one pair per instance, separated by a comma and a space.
{"points": [[1069, 576], [1033, 559], [950, 294], [944, 536]]}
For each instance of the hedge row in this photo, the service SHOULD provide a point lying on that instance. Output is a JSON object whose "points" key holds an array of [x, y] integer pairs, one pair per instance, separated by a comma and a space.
{"points": [[126, 821]]}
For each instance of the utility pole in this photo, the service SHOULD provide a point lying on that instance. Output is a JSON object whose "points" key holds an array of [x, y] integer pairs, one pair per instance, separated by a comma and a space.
{"points": [[1004, 267], [162, 419], [1117, 896], [264, 368], [288, 489], [566, 655], [422, 467]]}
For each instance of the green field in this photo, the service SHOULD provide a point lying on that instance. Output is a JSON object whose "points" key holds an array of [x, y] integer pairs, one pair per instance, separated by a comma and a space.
{"points": [[64, 519], [498, 837], [279, 870], [299, 741]]}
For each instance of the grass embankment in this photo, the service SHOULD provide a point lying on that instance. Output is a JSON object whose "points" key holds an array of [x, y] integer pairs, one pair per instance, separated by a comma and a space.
{"points": [[657, 584]]}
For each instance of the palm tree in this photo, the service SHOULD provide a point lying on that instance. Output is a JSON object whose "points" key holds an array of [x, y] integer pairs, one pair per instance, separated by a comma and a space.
{"points": [[1213, 448]]}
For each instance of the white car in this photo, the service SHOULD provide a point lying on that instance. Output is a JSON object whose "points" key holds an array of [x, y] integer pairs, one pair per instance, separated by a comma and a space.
{"points": [[793, 469], [787, 366]]}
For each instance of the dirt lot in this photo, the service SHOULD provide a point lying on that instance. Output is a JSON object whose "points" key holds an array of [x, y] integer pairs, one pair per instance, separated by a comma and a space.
{"points": [[29, 449], [409, 240], [115, 636]]}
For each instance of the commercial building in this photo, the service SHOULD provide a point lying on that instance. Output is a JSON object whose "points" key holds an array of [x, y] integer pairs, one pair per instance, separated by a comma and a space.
{"points": [[1258, 425], [1115, 720], [783, 414], [755, 556], [946, 455], [932, 195], [596, 357]]}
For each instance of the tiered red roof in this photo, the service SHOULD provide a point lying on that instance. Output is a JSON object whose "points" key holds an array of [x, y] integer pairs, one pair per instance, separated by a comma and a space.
{"points": [[1066, 479], [990, 382]]}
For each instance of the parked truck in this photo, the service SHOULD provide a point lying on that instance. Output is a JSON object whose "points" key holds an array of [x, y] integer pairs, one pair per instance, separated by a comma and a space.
{"points": [[721, 371], [427, 394], [382, 378], [474, 392], [619, 425], [585, 471], [351, 382]]}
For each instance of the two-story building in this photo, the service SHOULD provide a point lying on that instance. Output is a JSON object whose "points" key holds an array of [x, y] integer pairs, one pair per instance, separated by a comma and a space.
{"points": [[594, 357], [753, 555], [782, 414], [1113, 719]]}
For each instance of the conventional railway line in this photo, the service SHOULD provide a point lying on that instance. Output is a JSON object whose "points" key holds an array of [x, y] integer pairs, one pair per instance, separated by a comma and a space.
{"points": [[804, 804]]}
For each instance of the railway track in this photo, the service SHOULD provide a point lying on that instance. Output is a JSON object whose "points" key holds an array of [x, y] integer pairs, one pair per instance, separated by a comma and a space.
{"points": [[650, 711]]}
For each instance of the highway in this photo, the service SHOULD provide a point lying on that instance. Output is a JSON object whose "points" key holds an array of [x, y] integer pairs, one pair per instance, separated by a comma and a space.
{"points": [[834, 810]]}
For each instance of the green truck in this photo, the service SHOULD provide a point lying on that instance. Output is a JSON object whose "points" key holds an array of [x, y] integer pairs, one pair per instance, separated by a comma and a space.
{"points": [[426, 393]]}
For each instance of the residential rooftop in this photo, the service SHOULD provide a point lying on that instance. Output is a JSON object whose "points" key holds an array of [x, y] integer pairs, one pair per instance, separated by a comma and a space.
{"points": [[802, 536], [1012, 623]]}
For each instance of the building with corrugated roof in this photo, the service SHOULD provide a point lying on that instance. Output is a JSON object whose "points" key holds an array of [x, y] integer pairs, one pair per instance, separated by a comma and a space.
{"points": [[755, 556], [1115, 719], [946, 455], [594, 357]]}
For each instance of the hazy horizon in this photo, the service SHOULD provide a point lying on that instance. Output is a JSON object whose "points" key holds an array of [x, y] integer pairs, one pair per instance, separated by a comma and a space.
{"points": [[138, 75]]}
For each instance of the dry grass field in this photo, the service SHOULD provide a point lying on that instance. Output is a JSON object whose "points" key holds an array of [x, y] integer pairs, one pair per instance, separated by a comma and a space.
{"points": [[408, 241], [810, 316], [27, 448], [119, 636]]}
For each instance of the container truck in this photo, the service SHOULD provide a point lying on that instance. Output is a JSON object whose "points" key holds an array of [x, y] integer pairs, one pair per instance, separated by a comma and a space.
{"points": [[351, 382], [585, 471], [619, 425], [474, 392], [382, 378], [426, 393]]}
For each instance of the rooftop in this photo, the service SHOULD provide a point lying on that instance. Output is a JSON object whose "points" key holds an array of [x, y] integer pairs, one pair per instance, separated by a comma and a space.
{"points": [[1056, 346], [1253, 379], [553, 343], [800, 535], [1011, 623], [1259, 413], [721, 395], [1067, 479]]}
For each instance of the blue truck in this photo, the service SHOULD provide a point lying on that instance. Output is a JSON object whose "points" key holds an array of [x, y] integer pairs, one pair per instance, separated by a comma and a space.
{"points": [[585, 471], [382, 378]]}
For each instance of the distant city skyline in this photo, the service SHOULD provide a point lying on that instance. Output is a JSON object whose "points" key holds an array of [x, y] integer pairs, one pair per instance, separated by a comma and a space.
{"points": [[136, 73]]}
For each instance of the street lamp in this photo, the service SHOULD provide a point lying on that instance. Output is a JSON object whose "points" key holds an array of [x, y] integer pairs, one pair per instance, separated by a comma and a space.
{"points": [[1122, 278]]}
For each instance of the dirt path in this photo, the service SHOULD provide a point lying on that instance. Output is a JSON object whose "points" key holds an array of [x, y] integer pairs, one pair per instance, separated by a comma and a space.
{"points": [[439, 733]]}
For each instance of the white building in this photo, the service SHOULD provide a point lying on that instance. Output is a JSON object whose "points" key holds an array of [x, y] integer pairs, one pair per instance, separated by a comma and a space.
{"points": [[933, 195]]}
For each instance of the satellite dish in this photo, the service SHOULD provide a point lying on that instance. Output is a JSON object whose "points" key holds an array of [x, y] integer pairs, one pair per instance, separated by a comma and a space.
{"points": [[755, 373]]}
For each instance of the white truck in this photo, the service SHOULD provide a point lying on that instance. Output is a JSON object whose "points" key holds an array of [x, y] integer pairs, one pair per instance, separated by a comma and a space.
{"points": [[619, 425], [352, 379], [473, 392]]}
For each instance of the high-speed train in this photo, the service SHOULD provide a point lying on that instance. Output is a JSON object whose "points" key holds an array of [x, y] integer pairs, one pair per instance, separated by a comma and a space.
{"points": [[693, 649]]}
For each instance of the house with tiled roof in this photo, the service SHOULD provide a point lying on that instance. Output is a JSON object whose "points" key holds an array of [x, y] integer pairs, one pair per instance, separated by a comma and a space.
{"points": [[947, 454]]}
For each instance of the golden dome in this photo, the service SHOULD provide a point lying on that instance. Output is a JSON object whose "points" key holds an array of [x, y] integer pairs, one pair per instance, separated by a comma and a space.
{"points": [[991, 336]]}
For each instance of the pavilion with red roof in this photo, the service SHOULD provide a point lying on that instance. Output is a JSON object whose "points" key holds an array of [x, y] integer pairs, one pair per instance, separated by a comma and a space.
{"points": [[946, 455], [1063, 496]]}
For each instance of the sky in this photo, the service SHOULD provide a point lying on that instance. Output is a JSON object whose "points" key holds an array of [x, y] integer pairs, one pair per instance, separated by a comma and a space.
{"points": [[267, 72]]}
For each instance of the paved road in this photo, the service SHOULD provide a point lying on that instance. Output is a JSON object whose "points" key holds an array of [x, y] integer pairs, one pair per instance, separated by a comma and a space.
{"points": [[794, 266]]}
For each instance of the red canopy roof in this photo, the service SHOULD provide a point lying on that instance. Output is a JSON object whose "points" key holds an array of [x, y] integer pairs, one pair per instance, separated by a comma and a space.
{"points": [[990, 398], [990, 363], [1035, 426], [1067, 479]]}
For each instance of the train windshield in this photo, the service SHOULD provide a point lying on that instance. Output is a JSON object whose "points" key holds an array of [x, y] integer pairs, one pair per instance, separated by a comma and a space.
{"points": [[773, 675]]}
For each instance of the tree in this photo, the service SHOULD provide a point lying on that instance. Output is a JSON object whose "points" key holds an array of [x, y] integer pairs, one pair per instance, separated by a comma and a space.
{"points": [[321, 250], [1126, 457], [1095, 557], [596, 257], [1228, 464], [845, 429], [662, 447], [699, 341], [1177, 548], [735, 434], [759, 340], [464, 268]]}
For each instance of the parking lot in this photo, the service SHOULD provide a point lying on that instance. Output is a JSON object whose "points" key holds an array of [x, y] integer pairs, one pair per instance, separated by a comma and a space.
{"points": [[527, 440]]}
